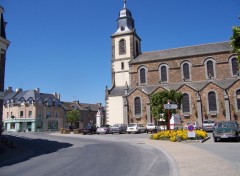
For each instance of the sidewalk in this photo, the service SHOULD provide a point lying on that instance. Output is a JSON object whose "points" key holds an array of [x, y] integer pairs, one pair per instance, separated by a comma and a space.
{"points": [[194, 161]]}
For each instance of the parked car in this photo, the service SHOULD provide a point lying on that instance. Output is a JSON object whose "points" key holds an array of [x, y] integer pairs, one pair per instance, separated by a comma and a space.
{"points": [[194, 124], [208, 125], [226, 130], [89, 129], [104, 129], [136, 128], [118, 128], [150, 127]]}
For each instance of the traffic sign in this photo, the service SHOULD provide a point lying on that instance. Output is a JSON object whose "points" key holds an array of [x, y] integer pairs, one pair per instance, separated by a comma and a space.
{"points": [[190, 127], [170, 106]]}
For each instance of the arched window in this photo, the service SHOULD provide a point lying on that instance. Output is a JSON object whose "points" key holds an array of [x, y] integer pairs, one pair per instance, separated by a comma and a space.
{"points": [[185, 103], [137, 106], [122, 47], [212, 102], [142, 76], [186, 74], [210, 69], [163, 73], [234, 66], [238, 99]]}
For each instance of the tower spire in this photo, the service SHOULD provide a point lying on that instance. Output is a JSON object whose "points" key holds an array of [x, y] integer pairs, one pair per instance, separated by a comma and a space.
{"points": [[124, 4]]}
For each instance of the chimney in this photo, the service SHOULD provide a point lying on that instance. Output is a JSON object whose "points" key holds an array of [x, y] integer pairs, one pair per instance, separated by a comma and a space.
{"points": [[37, 90], [18, 90], [56, 95], [9, 88]]}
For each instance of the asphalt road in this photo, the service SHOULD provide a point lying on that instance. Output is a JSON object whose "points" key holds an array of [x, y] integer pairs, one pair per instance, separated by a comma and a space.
{"points": [[47, 155]]}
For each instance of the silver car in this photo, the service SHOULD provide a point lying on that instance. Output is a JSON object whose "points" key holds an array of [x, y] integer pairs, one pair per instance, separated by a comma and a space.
{"points": [[208, 125], [118, 128]]}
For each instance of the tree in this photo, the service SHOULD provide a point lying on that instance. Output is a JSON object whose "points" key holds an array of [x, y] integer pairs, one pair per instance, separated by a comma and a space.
{"points": [[158, 100], [73, 116], [235, 41]]}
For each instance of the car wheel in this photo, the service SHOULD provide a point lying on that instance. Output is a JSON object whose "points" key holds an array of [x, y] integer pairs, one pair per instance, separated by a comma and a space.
{"points": [[128, 132]]}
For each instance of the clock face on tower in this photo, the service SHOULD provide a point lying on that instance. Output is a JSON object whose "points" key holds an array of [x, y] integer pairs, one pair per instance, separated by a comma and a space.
{"points": [[122, 28]]}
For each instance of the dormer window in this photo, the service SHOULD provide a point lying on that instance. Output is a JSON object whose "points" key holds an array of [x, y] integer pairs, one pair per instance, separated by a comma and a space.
{"points": [[22, 101], [40, 101], [30, 101], [49, 102]]}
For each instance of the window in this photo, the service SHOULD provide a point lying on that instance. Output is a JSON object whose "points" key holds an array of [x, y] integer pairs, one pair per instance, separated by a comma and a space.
{"points": [[164, 74], [49, 114], [29, 114], [234, 66], [186, 74], [122, 65], [56, 114], [30, 101], [122, 47], [22, 101], [21, 114], [49, 102], [185, 103], [210, 69], [142, 76], [53, 125], [39, 114], [212, 101], [7, 115], [12, 125], [238, 99], [137, 48], [137, 106], [39, 101]]}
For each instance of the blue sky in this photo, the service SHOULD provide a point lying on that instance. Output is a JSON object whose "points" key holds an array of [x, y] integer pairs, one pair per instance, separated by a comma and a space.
{"points": [[64, 46]]}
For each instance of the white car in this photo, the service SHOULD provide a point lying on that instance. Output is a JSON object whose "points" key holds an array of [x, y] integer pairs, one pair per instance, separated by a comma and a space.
{"points": [[150, 127], [136, 128]]}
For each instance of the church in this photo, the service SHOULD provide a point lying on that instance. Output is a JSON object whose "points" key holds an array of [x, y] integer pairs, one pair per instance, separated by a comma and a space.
{"points": [[207, 75]]}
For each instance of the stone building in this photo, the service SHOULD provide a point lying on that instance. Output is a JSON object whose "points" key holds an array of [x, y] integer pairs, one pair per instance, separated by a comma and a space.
{"points": [[4, 43], [32, 110], [88, 112], [207, 75]]}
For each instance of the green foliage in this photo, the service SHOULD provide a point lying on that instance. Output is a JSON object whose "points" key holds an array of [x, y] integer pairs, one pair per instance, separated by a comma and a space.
{"points": [[158, 100], [73, 116], [235, 41]]}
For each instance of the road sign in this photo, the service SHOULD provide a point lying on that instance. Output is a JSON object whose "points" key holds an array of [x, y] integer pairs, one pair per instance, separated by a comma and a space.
{"points": [[1, 95], [190, 127], [170, 106]]}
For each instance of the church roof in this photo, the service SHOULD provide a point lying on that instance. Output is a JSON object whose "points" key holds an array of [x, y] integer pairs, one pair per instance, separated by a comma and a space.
{"points": [[197, 86], [183, 52]]}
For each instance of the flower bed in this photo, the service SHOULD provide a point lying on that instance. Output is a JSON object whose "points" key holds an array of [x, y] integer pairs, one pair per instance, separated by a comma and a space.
{"points": [[178, 135]]}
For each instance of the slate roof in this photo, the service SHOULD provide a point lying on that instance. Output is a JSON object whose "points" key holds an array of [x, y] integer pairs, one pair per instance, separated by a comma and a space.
{"points": [[16, 96], [198, 86], [80, 106], [183, 52]]}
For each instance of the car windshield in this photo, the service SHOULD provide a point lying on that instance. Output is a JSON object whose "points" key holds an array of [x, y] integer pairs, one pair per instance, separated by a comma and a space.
{"points": [[132, 125], [208, 121], [116, 125], [227, 125]]}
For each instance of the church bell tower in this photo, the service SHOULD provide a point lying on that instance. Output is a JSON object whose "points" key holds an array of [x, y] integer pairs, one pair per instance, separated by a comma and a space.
{"points": [[125, 46]]}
